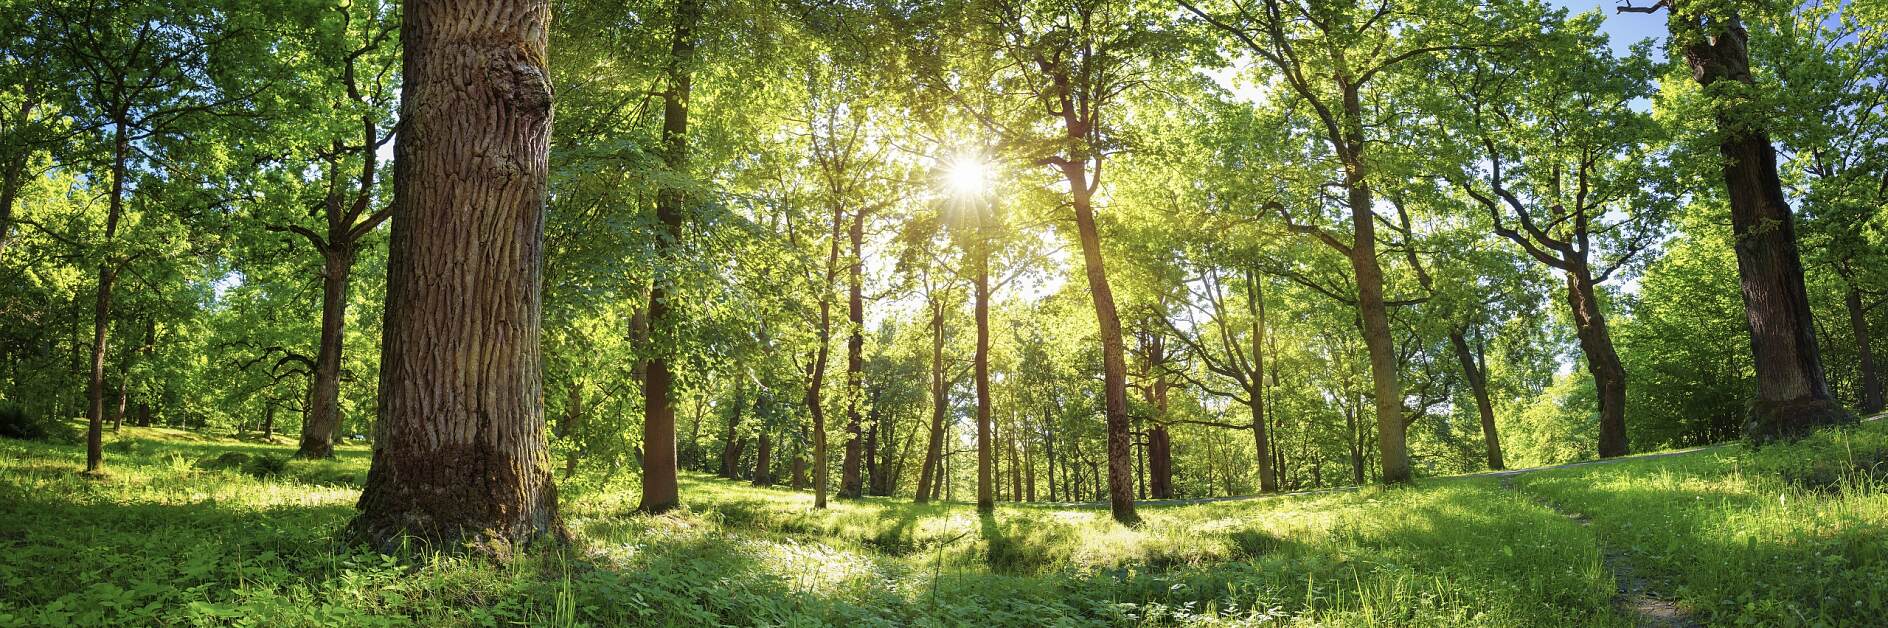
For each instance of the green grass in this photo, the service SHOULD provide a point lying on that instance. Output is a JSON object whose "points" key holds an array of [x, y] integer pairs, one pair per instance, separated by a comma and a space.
{"points": [[165, 540]]}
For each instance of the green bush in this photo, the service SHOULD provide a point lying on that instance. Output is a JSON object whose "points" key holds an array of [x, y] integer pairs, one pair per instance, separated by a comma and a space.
{"points": [[16, 422]]}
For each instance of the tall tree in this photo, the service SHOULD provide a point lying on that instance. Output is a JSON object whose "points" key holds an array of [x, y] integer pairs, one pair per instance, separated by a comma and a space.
{"points": [[347, 207], [136, 77], [460, 458], [1792, 392], [1332, 63], [1560, 163], [658, 432]]}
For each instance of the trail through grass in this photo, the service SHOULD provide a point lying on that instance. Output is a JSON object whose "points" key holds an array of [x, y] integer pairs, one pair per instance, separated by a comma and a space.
{"points": [[173, 537]]}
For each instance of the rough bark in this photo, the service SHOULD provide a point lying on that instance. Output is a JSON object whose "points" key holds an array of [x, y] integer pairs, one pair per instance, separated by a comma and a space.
{"points": [[460, 458], [1792, 392], [324, 414]]}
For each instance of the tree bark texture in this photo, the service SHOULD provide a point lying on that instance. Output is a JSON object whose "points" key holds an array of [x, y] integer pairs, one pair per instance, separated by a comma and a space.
{"points": [[1792, 393], [460, 459]]}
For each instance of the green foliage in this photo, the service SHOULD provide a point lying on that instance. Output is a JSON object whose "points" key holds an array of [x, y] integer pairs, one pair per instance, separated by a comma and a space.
{"points": [[18, 422]]}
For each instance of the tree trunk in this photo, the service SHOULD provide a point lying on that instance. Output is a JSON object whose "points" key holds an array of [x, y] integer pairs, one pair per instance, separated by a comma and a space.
{"points": [[659, 491], [572, 427], [733, 443], [101, 308], [1113, 359], [928, 474], [1392, 442], [14, 177], [986, 498], [1478, 385], [460, 457], [1255, 394], [851, 486], [268, 421], [1596, 342], [1871, 399], [1160, 462], [1792, 393], [763, 459], [324, 415], [1048, 452]]}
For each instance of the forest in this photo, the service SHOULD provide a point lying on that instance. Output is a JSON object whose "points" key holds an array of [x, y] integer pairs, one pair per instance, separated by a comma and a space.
{"points": [[943, 312]]}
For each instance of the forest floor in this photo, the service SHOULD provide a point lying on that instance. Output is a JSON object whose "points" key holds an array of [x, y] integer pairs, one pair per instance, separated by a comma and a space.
{"points": [[184, 530]]}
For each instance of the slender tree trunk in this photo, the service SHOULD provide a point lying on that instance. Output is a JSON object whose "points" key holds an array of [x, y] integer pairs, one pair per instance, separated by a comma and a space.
{"points": [[101, 309], [733, 443], [1792, 392], [763, 459], [1029, 471], [324, 415], [659, 490], [1255, 394], [1609, 377], [986, 498], [1113, 358], [814, 404], [572, 428], [1871, 399], [268, 421], [1478, 385], [14, 176], [1392, 443], [460, 458], [1016, 469], [928, 475], [850, 484]]}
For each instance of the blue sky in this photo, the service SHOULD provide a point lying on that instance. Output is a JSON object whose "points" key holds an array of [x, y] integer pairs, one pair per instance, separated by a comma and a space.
{"points": [[1624, 28]]}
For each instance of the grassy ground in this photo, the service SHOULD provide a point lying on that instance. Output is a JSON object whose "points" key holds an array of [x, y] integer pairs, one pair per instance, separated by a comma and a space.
{"points": [[181, 533]]}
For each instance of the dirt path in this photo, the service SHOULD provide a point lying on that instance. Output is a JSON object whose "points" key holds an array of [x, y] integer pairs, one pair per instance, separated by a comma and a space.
{"points": [[1634, 597]]}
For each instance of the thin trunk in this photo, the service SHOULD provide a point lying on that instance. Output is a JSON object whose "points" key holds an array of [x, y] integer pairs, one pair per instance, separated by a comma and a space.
{"points": [[1478, 385], [1871, 399], [733, 443], [850, 483], [1029, 471], [268, 421], [928, 475], [1792, 392], [659, 490], [101, 309], [572, 428], [763, 459], [814, 403], [1255, 393], [986, 500], [1602, 361], [460, 459], [1113, 358], [324, 415]]}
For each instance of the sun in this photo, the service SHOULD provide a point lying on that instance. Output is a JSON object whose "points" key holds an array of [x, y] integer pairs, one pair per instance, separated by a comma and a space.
{"points": [[970, 176]]}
